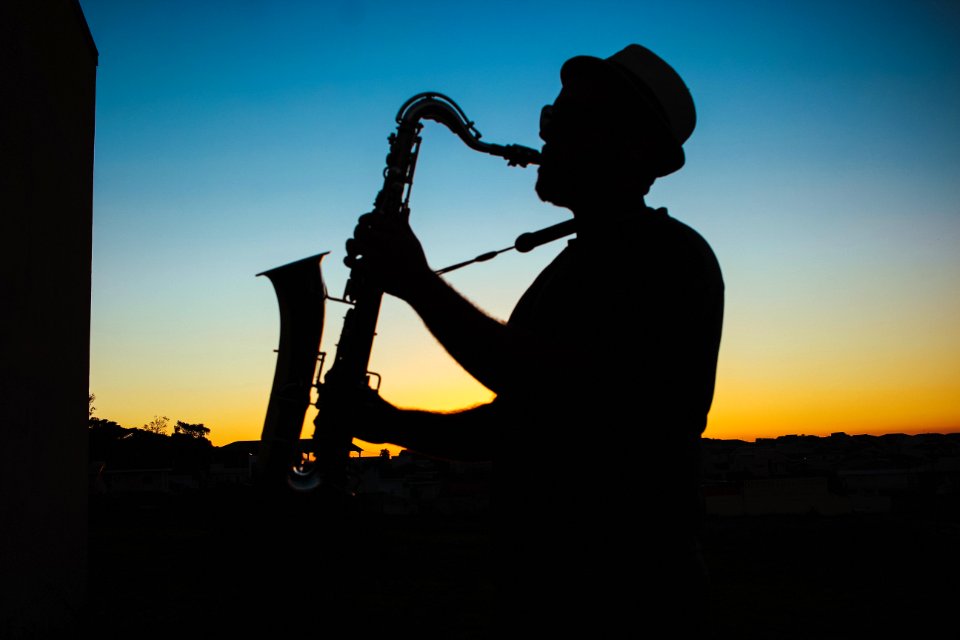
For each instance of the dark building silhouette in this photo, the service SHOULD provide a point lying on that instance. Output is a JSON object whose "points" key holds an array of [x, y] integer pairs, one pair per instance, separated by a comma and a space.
{"points": [[46, 212]]}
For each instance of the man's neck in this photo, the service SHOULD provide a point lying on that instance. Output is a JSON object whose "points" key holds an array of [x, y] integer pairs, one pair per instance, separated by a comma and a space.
{"points": [[599, 211]]}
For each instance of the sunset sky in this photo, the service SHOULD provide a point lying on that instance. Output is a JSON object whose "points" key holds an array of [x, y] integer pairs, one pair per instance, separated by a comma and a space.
{"points": [[235, 137]]}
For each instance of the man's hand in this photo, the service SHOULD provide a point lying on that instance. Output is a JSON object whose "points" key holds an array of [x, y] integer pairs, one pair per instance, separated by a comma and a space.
{"points": [[385, 249], [361, 412], [377, 419]]}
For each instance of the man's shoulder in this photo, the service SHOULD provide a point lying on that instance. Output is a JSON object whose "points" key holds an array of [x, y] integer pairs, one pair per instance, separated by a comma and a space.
{"points": [[662, 233], [676, 226]]}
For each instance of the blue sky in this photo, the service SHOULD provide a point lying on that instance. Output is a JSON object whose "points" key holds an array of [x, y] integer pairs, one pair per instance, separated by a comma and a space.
{"points": [[235, 137]]}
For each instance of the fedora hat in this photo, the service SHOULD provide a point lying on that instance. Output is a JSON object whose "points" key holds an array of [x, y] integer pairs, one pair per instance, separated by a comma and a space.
{"points": [[654, 82]]}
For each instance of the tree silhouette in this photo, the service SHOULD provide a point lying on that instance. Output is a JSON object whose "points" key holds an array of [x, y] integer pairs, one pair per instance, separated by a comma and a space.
{"points": [[158, 425], [101, 427], [193, 430]]}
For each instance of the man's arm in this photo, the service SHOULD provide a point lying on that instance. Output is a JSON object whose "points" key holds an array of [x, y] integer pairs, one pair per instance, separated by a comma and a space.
{"points": [[499, 356], [461, 435]]}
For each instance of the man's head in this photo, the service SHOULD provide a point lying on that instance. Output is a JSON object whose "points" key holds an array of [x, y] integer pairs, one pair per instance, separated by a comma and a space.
{"points": [[617, 121]]}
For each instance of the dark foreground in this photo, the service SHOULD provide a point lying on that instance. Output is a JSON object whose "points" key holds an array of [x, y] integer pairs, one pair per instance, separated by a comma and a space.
{"points": [[228, 566]]}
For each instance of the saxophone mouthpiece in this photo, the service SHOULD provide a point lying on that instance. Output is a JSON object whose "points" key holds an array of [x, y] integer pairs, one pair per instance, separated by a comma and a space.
{"points": [[520, 156]]}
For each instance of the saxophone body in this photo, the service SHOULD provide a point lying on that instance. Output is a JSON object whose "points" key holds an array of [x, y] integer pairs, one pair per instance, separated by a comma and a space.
{"points": [[284, 460]]}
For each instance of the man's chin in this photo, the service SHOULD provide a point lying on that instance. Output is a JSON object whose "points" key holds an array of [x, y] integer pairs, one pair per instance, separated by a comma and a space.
{"points": [[548, 192]]}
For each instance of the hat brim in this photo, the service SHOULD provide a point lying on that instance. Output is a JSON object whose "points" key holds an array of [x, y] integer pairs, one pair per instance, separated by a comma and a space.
{"points": [[596, 75]]}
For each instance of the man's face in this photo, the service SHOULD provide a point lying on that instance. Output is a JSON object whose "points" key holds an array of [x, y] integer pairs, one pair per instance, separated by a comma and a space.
{"points": [[589, 147]]}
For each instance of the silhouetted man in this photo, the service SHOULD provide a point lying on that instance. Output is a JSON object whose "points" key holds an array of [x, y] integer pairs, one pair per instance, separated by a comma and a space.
{"points": [[603, 374]]}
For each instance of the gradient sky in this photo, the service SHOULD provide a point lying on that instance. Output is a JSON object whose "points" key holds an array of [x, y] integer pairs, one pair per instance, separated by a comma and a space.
{"points": [[235, 137]]}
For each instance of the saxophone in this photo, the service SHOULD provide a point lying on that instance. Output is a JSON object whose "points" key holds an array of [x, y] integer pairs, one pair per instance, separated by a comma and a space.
{"points": [[284, 461]]}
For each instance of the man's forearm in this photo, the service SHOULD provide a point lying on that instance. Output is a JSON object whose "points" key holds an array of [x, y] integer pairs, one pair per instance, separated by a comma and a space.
{"points": [[462, 435], [478, 342]]}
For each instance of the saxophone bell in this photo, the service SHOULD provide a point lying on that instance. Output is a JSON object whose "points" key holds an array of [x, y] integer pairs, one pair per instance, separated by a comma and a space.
{"points": [[301, 295]]}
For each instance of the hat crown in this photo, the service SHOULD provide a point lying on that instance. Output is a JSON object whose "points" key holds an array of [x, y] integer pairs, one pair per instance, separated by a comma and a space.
{"points": [[665, 85]]}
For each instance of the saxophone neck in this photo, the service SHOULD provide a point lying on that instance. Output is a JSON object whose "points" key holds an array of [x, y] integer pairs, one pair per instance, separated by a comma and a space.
{"points": [[440, 108]]}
